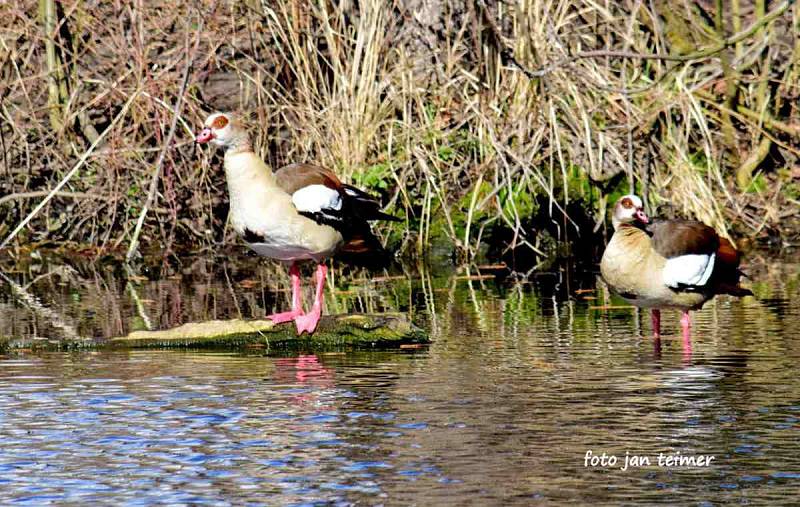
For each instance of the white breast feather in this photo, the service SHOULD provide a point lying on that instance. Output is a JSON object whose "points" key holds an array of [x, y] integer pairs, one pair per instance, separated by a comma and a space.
{"points": [[692, 269], [315, 198]]}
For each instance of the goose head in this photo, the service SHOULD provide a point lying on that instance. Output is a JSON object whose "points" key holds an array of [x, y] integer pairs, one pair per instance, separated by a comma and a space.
{"points": [[223, 129], [629, 210]]}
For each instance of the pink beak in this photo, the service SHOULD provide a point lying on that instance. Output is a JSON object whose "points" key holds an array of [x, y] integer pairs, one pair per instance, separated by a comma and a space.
{"points": [[204, 136], [640, 216]]}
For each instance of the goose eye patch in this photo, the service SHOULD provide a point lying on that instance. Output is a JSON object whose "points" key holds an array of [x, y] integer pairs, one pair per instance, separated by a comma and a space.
{"points": [[219, 122], [626, 203]]}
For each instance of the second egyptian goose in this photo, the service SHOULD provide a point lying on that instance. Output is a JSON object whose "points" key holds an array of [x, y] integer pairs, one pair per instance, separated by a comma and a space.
{"points": [[667, 263], [300, 212]]}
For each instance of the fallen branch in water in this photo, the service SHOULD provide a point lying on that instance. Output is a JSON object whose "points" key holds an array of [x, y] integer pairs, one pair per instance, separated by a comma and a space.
{"points": [[29, 300], [353, 331]]}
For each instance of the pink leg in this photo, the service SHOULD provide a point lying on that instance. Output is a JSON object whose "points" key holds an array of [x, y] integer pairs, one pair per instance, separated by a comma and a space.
{"points": [[309, 321], [655, 319], [297, 309], [686, 324]]}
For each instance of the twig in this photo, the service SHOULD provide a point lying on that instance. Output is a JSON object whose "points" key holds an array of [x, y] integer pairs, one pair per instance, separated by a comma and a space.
{"points": [[767, 122], [54, 83], [151, 194], [42, 193], [744, 174], [71, 173], [627, 101]]}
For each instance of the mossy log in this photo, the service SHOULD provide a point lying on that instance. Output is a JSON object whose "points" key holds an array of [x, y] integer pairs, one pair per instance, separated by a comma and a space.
{"points": [[335, 332]]}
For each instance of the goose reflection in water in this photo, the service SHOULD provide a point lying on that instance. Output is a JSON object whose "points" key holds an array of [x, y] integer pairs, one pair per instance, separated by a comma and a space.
{"points": [[304, 370]]}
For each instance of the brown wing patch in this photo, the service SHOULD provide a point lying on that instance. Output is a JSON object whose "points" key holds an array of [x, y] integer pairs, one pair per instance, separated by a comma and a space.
{"points": [[727, 253], [673, 238], [219, 122], [726, 271], [292, 178], [358, 244]]}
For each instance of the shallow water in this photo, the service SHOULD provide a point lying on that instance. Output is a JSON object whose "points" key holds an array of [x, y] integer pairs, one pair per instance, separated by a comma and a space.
{"points": [[521, 381]]}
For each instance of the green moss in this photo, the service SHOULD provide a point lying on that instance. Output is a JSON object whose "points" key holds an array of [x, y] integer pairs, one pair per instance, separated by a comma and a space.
{"points": [[757, 184], [578, 182], [374, 177], [353, 331], [700, 162], [792, 191]]}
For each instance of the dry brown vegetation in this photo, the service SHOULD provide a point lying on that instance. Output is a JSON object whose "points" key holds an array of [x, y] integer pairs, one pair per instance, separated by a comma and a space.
{"points": [[466, 116]]}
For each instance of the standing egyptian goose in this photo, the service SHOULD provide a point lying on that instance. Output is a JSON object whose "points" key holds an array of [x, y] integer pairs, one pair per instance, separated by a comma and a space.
{"points": [[667, 263], [301, 212]]}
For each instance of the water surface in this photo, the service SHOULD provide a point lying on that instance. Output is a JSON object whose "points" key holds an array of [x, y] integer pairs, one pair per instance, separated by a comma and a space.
{"points": [[521, 381]]}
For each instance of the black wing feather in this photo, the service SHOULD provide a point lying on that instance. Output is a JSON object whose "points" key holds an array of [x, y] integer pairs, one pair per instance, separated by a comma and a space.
{"points": [[364, 205]]}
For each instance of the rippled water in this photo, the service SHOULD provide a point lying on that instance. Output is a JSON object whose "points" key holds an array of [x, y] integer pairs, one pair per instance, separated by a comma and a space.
{"points": [[523, 379]]}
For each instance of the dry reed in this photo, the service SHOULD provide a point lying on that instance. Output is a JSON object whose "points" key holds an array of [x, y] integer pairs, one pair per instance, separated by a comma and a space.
{"points": [[466, 116]]}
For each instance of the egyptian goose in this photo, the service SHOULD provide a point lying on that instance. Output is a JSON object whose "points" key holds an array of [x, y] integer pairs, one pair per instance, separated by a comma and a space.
{"points": [[300, 212], [667, 263]]}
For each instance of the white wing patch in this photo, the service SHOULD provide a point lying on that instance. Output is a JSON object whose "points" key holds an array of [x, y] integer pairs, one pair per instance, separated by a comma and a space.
{"points": [[316, 198], [692, 269]]}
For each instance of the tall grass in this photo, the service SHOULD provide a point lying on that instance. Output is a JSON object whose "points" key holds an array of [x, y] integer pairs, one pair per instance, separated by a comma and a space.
{"points": [[466, 116]]}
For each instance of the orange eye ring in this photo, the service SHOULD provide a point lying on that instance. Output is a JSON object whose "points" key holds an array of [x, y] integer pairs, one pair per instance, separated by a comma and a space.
{"points": [[220, 122]]}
